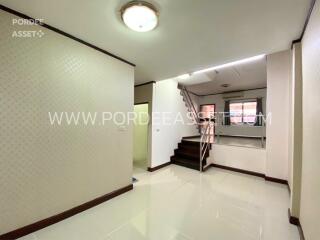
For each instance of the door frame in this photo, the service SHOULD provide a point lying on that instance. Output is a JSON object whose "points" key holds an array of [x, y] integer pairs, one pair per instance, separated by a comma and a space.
{"points": [[148, 134]]}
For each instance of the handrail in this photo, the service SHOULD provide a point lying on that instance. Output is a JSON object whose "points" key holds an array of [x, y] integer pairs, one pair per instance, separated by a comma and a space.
{"points": [[190, 104], [190, 100]]}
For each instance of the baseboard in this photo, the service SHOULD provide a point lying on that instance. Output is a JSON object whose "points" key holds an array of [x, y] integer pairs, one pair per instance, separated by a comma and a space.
{"points": [[262, 175], [238, 170], [296, 221], [150, 169], [276, 180], [61, 216], [289, 189]]}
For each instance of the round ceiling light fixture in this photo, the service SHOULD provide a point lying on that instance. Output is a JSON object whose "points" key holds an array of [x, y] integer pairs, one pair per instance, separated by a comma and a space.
{"points": [[140, 16]]}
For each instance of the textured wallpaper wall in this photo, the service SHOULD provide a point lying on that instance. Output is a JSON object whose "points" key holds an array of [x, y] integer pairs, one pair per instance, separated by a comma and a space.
{"points": [[47, 169]]}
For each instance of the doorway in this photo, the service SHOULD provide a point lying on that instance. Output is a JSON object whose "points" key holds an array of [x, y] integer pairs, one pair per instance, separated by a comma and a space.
{"points": [[140, 136]]}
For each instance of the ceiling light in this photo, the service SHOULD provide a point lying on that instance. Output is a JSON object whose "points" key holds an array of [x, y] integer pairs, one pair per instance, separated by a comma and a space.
{"points": [[139, 16], [184, 76], [246, 60]]}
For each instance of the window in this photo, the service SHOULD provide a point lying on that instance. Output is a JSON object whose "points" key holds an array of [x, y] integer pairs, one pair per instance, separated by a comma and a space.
{"points": [[243, 112], [206, 111]]}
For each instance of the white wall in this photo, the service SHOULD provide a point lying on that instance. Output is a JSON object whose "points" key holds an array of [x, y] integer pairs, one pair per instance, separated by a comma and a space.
{"points": [[47, 169], [278, 84], [241, 130], [218, 100], [310, 188], [250, 159], [165, 136]]}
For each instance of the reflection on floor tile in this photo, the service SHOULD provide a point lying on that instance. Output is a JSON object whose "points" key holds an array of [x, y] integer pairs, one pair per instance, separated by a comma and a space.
{"points": [[176, 203]]}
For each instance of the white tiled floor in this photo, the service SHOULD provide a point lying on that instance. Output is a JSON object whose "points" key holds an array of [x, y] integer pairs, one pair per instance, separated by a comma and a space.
{"points": [[176, 203]]}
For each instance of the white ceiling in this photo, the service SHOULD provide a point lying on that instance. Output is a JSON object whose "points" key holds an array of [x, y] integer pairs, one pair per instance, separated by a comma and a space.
{"points": [[243, 76], [192, 35]]}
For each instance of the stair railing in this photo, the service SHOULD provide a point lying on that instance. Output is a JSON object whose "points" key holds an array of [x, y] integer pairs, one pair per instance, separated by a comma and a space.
{"points": [[205, 140], [205, 133], [189, 102]]}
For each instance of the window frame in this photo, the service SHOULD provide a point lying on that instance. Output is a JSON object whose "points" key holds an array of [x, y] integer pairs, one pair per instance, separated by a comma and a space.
{"points": [[242, 101]]}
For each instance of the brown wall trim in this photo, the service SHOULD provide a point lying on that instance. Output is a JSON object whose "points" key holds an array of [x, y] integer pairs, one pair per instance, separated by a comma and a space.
{"points": [[294, 42], [289, 189], [293, 220], [296, 221], [238, 170], [270, 179], [142, 84], [158, 167], [21, 15], [313, 2], [276, 180], [61, 216]]}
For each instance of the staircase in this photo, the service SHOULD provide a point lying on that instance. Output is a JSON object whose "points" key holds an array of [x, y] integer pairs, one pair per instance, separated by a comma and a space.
{"points": [[188, 155], [193, 154]]}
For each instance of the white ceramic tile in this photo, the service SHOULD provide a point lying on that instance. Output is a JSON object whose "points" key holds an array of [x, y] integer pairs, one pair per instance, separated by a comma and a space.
{"points": [[176, 203]]}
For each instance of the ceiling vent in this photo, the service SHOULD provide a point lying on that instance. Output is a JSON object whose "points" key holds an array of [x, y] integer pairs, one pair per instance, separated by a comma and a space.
{"points": [[230, 95]]}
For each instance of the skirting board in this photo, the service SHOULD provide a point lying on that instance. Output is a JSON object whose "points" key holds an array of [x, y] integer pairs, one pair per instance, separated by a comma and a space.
{"points": [[270, 179], [152, 169], [61, 216], [238, 170], [277, 180], [296, 221]]}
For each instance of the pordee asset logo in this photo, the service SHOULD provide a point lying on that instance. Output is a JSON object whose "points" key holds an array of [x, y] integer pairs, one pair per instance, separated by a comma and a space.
{"points": [[27, 33]]}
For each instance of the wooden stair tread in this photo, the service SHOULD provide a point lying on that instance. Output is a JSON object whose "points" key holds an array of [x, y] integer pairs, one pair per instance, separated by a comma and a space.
{"points": [[185, 163], [194, 156], [188, 155]]}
